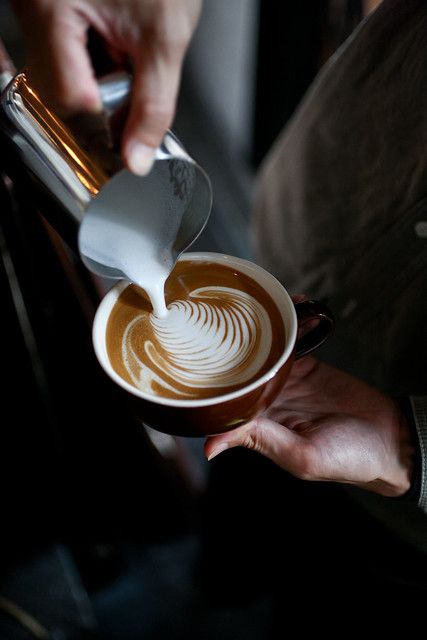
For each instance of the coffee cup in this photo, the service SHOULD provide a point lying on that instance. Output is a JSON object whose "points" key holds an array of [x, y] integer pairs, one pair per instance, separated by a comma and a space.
{"points": [[224, 409]]}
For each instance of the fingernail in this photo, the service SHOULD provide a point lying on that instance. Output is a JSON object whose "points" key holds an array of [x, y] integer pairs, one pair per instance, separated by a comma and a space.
{"points": [[94, 105], [91, 102], [140, 158], [218, 450]]}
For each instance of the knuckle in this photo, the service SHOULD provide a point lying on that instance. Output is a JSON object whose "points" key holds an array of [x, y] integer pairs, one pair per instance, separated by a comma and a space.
{"points": [[171, 43], [171, 32], [179, 41], [158, 115], [254, 438], [157, 111], [250, 442]]}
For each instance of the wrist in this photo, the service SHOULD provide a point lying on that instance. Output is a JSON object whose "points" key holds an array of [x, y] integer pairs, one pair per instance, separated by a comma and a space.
{"points": [[398, 465], [397, 454], [410, 451]]}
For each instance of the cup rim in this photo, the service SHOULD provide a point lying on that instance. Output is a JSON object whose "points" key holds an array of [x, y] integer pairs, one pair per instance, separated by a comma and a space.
{"points": [[107, 303]]}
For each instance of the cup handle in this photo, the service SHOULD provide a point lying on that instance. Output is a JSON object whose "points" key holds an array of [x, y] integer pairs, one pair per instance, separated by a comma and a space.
{"points": [[306, 311]]}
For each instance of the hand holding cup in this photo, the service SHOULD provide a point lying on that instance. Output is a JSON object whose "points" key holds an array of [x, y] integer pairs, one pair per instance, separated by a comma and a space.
{"points": [[240, 343]]}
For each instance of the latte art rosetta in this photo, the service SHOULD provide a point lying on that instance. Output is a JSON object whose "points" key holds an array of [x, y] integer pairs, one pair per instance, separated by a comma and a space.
{"points": [[221, 332], [217, 337]]}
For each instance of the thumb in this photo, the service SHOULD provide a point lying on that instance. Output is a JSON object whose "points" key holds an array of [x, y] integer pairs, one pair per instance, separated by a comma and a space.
{"points": [[280, 444], [59, 63]]}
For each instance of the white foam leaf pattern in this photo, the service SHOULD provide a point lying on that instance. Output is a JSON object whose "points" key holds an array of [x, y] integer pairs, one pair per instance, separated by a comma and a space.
{"points": [[218, 337]]}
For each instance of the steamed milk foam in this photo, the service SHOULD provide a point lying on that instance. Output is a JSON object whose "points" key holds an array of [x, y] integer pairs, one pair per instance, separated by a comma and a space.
{"points": [[153, 283], [137, 240], [220, 332]]}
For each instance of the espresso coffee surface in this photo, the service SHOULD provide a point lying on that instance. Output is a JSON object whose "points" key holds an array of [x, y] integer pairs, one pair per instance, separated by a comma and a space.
{"points": [[222, 331]]}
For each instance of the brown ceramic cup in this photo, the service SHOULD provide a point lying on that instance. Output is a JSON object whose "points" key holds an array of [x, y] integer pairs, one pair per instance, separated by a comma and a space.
{"points": [[224, 412]]}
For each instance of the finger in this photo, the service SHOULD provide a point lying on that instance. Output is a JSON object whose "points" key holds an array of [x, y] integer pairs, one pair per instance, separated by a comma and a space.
{"points": [[157, 55], [152, 110], [299, 297], [282, 445], [59, 63]]}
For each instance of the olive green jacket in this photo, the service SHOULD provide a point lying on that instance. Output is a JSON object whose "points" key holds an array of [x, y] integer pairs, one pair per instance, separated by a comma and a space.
{"points": [[341, 209]]}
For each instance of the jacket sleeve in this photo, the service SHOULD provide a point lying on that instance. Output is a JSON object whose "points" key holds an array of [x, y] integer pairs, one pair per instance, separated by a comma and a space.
{"points": [[419, 410]]}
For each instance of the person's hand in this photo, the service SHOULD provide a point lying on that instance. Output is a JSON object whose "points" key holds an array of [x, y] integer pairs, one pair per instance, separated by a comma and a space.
{"points": [[152, 34], [327, 425]]}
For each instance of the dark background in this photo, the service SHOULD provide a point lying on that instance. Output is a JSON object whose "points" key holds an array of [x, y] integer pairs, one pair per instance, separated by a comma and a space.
{"points": [[111, 531]]}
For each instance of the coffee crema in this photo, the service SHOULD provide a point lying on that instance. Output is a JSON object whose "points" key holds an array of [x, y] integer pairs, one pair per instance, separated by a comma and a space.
{"points": [[222, 332]]}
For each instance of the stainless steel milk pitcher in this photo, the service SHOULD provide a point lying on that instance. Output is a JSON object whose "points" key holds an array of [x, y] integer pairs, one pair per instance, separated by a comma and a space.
{"points": [[79, 176]]}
